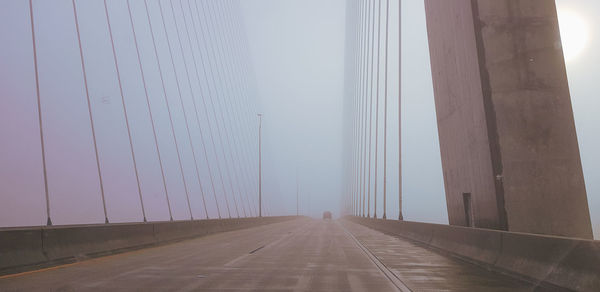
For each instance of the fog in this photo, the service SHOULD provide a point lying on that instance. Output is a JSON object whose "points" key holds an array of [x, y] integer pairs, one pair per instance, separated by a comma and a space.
{"points": [[297, 50], [298, 53], [123, 111], [155, 113]]}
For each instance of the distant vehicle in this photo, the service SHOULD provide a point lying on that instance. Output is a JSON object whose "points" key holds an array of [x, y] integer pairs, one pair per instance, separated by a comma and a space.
{"points": [[326, 215]]}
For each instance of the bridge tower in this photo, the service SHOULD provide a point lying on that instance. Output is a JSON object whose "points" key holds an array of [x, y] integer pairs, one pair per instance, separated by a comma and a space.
{"points": [[507, 135]]}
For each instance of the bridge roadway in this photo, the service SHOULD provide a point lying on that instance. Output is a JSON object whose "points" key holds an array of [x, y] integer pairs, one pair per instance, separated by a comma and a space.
{"points": [[298, 255]]}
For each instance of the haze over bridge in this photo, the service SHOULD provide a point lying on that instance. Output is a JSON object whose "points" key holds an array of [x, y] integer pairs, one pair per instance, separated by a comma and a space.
{"points": [[130, 130]]}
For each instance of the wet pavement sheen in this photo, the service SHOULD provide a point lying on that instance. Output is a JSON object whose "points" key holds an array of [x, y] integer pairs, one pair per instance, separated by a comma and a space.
{"points": [[299, 255], [422, 269]]}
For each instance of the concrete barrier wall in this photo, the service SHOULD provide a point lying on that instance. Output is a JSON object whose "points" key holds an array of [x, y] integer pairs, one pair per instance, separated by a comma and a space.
{"points": [[81, 241], [23, 249], [21, 246], [550, 261]]}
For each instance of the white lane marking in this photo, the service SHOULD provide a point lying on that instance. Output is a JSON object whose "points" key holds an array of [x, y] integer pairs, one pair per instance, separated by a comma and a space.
{"points": [[263, 246]]}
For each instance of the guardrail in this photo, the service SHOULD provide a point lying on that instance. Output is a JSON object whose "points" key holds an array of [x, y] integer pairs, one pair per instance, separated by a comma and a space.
{"points": [[23, 249], [548, 261]]}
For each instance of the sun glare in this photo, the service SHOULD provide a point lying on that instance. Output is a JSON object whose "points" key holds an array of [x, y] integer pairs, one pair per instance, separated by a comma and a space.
{"points": [[574, 34]]}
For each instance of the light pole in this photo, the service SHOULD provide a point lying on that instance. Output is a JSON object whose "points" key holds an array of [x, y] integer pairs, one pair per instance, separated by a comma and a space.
{"points": [[259, 165], [297, 191]]}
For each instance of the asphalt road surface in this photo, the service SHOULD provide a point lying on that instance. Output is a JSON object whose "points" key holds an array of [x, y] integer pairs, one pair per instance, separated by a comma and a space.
{"points": [[299, 255]]}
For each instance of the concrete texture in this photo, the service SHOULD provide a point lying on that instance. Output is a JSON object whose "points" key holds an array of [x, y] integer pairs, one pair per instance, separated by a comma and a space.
{"points": [[23, 249], [550, 262], [296, 255], [421, 269], [505, 121]]}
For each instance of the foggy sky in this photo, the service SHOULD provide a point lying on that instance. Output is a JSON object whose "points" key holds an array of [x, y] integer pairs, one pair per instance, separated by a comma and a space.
{"points": [[298, 48], [124, 111], [297, 52]]}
